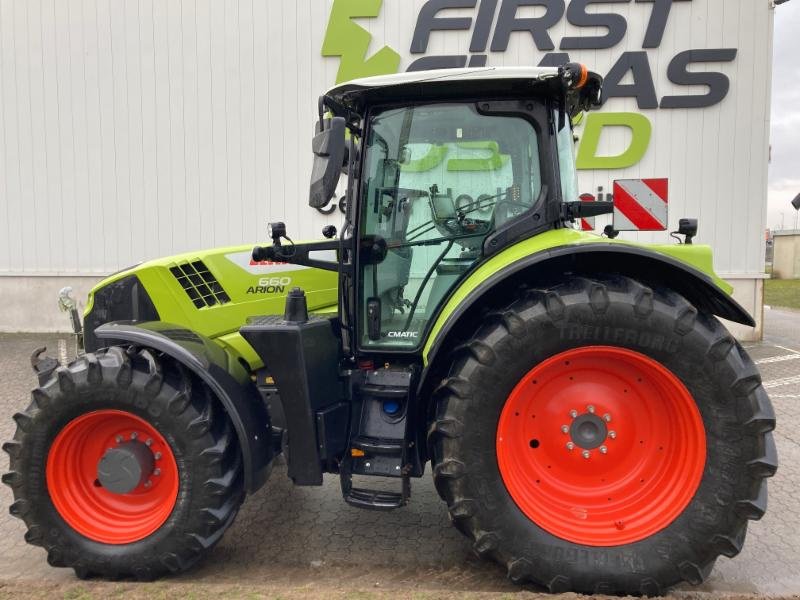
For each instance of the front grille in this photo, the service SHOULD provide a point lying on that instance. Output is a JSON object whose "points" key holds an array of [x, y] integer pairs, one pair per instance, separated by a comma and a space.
{"points": [[199, 284]]}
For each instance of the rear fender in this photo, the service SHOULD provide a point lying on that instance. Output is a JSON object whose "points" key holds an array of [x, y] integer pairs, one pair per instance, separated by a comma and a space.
{"points": [[637, 262], [228, 379]]}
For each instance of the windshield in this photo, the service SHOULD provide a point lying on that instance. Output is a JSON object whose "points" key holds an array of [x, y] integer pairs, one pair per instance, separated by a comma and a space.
{"points": [[437, 180]]}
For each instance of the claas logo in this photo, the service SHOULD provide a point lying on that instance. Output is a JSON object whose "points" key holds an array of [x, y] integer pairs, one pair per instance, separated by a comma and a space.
{"points": [[266, 263]]}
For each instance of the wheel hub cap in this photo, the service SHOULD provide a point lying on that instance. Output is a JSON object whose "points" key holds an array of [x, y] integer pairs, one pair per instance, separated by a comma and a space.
{"points": [[588, 431], [124, 468]]}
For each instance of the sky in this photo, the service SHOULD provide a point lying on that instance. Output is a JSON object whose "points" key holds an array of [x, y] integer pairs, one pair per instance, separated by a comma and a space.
{"points": [[784, 170]]}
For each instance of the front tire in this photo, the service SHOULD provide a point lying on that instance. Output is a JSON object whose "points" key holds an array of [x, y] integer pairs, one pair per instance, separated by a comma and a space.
{"points": [[603, 436], [122, 399]]}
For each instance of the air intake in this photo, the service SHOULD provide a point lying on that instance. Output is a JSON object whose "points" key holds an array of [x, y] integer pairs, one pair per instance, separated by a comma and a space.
{"points": [[199, 284]]}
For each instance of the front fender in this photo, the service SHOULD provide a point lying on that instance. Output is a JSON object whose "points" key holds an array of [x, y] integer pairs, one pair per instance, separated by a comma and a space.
{"points": [[690, 275], [223, 374]]}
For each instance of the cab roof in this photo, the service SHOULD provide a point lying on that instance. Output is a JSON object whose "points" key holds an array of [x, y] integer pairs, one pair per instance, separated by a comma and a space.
{"points": [[354, 96]]}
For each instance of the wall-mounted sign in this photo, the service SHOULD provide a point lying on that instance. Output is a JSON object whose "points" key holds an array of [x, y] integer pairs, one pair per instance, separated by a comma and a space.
{"points": [[494, 21], [489, 25]]}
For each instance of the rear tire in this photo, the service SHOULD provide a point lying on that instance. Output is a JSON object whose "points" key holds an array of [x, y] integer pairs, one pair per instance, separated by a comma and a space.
{"points": [[733, 420], [179, 412]]}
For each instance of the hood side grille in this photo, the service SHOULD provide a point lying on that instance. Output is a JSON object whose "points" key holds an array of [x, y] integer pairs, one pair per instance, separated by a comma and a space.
{"points": [[199, 284]]}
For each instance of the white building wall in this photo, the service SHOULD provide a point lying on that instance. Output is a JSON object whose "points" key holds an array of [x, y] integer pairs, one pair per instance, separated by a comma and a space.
{"points": [[135, 129], [132, 130]]}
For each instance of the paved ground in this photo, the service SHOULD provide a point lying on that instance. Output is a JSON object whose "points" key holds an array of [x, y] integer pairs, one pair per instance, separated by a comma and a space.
{"points": [[294, 537]]}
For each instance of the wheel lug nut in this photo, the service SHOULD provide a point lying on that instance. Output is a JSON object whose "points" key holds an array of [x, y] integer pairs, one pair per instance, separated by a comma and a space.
{"points": [[157, 456], [570, 446], [148, 483], [573, 413], [590, 408], [607, 418], [585, 454], [134, 435], [612, 435], [149, 442], [157, 471], [118, 439], [564, 429], [603, 450]]}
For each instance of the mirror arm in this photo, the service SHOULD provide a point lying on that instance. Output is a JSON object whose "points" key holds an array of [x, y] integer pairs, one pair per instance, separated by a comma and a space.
{"points": [[339, 109], [584, 210], [298, 254]]}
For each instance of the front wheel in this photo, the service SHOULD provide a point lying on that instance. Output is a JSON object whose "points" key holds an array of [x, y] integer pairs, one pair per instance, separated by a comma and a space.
{"points": [[602, 436], [124, 466]]}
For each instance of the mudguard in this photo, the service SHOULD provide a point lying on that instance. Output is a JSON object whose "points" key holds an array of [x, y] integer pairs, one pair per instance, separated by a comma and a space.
{"points": [[654, 267], [224, 375]]}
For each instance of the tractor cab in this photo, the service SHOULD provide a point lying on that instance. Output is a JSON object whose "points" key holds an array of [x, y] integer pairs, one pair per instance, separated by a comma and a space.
{"points": [[444, 169]]}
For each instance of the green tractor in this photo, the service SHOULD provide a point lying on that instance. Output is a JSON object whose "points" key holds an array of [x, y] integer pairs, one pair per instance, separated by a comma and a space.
{"points": [[590, 423]]}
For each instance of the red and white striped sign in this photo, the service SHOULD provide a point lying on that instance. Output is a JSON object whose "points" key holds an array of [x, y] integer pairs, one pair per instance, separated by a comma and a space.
{"points": [[587, 224], [641, 204]]}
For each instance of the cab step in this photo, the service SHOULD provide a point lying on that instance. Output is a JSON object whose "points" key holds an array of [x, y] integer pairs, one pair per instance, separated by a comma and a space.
{"points": [[372, 499]]}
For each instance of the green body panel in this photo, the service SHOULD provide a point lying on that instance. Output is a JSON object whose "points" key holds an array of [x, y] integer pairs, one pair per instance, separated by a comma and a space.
{"points": [[242, 281], [697, 256]]}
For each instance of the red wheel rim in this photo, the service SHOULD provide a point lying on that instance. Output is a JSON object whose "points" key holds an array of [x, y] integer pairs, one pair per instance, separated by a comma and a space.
{"points": [[84, 504], [646, 468]]}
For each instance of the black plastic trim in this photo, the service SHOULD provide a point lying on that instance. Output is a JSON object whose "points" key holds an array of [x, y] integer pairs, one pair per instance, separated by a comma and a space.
{"points": [[123, 300], [226, 378], [199, 283]]}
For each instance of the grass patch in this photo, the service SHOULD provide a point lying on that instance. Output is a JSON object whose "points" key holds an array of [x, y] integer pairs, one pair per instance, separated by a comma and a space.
{"points": [[782, 292]]}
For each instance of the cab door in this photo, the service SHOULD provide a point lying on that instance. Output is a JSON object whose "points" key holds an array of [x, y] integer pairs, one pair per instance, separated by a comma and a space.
{"points": [[437, 179]]}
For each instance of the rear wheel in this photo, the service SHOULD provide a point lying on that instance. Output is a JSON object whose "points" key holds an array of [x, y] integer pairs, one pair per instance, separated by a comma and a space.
{"points": [[602, 436], [124, 465]]}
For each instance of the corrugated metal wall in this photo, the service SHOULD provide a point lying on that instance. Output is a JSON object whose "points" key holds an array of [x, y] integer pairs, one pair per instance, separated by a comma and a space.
{"points": [[133, 129]]}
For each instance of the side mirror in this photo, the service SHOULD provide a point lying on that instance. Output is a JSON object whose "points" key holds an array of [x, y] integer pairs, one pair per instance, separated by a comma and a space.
{"points": [[328, 147]]}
